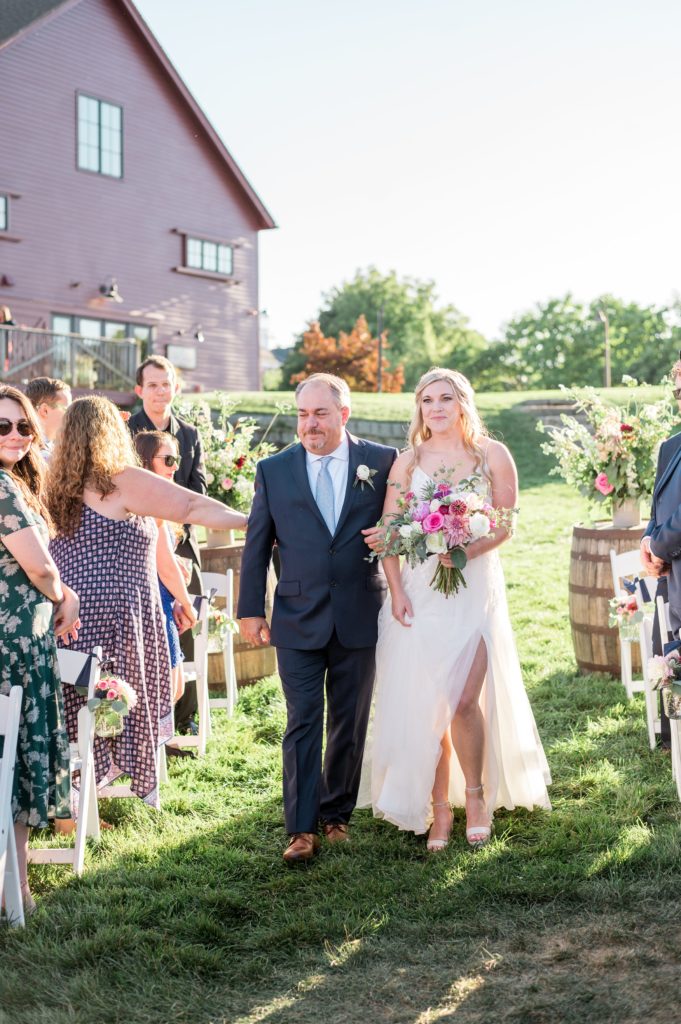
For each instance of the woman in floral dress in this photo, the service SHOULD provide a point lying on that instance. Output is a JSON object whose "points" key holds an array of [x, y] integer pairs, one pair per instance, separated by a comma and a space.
{"points": [[34, 604], [103, 507]]}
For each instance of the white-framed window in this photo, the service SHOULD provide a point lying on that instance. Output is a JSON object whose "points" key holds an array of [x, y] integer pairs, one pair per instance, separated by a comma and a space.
{"points": [[215, 257], [100, 136]]}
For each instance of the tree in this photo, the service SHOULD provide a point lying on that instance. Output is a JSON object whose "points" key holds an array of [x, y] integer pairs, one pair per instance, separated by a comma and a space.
{"points": [[421, 334], [354, 357]]}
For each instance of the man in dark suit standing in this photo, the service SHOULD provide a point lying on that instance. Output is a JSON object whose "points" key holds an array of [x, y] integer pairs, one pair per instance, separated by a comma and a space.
{"points": [[315, 499], [157, 386]]}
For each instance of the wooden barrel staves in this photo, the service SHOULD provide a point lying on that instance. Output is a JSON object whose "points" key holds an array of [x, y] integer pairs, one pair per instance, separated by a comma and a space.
{"points": [[251, 663], [596, 644]]}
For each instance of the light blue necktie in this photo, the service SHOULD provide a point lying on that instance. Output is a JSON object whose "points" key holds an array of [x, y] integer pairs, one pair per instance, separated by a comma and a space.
{"points": [[324, 493]]}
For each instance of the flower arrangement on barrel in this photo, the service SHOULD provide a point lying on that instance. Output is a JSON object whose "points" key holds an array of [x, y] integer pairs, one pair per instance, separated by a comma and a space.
{"points": [[442, 520], [231, 452], [610, 452]]}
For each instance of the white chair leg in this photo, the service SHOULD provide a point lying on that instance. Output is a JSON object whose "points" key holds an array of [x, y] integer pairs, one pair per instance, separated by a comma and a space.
{"points": [[625, 657], [9, 872], [676, 754], [162, 764], [651, 714]]}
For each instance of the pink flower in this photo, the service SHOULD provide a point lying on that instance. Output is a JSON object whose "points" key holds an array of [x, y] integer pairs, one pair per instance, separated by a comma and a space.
{"points": [[409, 496], [433, 522], [227, 484], [458, 507], [602, 484], [441, 490], [421, 511], [111, 695], [455, 530]]}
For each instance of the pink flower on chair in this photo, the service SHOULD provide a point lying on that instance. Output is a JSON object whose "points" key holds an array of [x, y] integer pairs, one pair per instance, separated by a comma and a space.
{"points": [[602, 484]]}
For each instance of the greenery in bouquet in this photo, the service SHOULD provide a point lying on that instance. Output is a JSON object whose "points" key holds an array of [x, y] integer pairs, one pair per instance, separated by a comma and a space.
{"points": [[610, 452], [113, 700], [219, 625], [231, 452]]}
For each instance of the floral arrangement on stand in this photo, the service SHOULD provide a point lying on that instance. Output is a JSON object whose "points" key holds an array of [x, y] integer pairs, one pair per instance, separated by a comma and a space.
{"points": [[664, 672], [442, 519], [612, 457], [626, 615], [113, 700], [231, 455], [219, 625]]}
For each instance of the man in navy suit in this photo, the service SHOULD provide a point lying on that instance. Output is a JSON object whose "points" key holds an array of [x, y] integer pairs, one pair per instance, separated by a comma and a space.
{"points": [[315, 499]]}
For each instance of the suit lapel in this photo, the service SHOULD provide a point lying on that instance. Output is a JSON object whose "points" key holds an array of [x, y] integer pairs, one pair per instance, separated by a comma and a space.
{"points": [[300, 476], [354, 457], [669, 469]]}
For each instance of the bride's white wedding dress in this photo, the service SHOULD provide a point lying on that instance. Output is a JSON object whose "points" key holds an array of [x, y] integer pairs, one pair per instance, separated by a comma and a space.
{"points": [[420, 675]]}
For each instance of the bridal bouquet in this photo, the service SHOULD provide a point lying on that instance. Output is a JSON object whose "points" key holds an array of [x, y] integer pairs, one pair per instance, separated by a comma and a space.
{"points": [[664, 672], [443, 520], [113, 700]]}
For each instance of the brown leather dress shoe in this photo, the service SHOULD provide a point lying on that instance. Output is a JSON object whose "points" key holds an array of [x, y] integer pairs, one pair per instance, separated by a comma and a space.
{"points": [[302, 847], [337, 832]]}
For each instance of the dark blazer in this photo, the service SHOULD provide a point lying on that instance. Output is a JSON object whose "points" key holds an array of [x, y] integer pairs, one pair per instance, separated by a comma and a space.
{"points": [[325, 582], [191, 473], [664, 528]]}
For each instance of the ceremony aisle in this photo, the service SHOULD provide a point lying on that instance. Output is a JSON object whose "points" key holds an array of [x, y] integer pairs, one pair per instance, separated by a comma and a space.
{"points": [[190, 915]]}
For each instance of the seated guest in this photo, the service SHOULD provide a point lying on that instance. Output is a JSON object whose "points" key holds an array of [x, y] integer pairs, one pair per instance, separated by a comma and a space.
{"points": [[157, 385], [158, 452], [34, 605], [50, 398], [103, 508]]}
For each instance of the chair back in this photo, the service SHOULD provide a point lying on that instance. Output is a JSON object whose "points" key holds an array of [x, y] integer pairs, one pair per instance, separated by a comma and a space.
{"points": [[663, 618], [10, 713], [624, 563]]}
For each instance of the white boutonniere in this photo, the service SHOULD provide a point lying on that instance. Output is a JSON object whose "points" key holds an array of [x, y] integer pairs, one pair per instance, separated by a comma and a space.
{"points": [[363, 475]]}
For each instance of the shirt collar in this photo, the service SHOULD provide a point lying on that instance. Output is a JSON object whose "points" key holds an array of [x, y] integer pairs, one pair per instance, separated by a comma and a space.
{"points": [[173, 425], [342, 452]]}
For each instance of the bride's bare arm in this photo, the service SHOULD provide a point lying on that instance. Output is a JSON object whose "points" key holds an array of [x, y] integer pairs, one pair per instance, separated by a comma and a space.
{"points": [[397, 485], [146, 494]]}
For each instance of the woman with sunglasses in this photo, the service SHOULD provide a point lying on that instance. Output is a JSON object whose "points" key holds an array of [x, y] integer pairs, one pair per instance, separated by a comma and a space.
{"points": [[103, 506], [159, 452], [34, 605]]}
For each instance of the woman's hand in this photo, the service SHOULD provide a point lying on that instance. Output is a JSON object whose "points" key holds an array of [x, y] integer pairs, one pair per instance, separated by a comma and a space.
{"points": [[66, 621], [184, 616], [445, 560], [402, 609]]}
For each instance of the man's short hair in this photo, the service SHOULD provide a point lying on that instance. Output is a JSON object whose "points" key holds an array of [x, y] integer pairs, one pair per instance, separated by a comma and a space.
{"points": [[160, 362], [45, 389], [339, 389]]}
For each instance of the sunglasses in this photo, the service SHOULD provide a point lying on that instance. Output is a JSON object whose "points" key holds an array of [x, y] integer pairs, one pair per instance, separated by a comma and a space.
{"points": [[24, 428], [169, 460]]}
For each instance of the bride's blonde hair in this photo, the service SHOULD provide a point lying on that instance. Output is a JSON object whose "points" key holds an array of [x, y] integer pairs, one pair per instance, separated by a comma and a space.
{"points": [[472, 427]]}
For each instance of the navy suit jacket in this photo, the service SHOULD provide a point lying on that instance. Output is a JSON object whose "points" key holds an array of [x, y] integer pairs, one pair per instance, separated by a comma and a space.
{"points": [[664, 528], [325, 581]]}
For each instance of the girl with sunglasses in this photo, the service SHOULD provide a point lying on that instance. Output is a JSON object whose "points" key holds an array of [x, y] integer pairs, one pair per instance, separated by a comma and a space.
{"points": [[34, 605], [159, 452]]}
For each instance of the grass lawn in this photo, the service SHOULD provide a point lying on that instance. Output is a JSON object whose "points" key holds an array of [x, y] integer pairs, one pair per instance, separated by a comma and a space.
{"points": [[190, 915]]}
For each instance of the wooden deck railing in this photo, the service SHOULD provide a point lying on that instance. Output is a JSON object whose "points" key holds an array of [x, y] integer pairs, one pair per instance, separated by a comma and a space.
{"points": [[105, 363]]}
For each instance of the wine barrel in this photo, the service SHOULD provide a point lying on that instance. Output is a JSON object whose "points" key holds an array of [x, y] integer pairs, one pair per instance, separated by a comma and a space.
{"points": [[251, 663], [596, 644]]}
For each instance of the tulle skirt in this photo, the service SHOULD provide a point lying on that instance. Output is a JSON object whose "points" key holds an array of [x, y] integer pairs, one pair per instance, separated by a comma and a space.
{"points": [[420, 675]]}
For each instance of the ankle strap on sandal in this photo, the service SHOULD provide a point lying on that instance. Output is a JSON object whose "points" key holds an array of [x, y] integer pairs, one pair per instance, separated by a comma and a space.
{"points": [[474, 789], [441, 803]]}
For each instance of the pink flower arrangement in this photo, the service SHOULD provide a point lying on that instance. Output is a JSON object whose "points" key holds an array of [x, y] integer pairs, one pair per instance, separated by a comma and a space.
{"points": [[113, 700], [443, 519], [602, 484]]}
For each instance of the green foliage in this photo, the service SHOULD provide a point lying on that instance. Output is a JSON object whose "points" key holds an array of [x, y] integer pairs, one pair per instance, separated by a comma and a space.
{"points": [[421, 334]]}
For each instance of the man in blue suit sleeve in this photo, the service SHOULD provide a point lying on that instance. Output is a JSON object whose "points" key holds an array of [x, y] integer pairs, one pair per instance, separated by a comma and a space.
{"points": [[314, 499]]}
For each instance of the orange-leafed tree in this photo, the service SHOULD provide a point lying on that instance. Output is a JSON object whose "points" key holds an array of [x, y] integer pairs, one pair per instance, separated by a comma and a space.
{"points": [[354, 357]]}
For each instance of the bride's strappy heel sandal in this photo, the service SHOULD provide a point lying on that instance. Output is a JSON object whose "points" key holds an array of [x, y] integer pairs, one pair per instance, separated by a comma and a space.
{"points": [[478, 836], [435, 845]]}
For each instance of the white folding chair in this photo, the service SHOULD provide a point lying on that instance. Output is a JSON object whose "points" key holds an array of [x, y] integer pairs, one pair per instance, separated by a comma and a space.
{"points": [[651, 695], [71, 663], [223, 585], [10, 713], [674, 723], [198, 671], [627, 563]]}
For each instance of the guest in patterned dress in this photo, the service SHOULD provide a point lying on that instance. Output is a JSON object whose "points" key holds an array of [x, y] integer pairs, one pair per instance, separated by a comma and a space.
{"points": [[103, 507], [34, 604]]}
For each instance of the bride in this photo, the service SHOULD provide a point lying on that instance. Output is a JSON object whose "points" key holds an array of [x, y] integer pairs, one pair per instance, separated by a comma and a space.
{"points": [[452, 723]]}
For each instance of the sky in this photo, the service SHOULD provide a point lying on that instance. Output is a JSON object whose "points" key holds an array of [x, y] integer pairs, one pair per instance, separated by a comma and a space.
{"points": [[509, 150]]}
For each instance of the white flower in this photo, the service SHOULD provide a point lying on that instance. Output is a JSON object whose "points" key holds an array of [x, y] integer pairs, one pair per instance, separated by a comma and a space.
{"points": [[417, 527], [479, 525], [436, 544], [406, 530], [435, 505], [210, 478], [657, 669], [363, 472]]}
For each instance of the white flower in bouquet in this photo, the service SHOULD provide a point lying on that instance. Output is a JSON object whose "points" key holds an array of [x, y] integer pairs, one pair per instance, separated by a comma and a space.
{"points": [[473, 500], [416, 527], [479, 525], [436, 544], [406, 531], [657, 669], [435, 505]]}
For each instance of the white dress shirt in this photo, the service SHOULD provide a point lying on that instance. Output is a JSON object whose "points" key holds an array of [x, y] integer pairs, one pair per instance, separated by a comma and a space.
{"points": [[338, 468]]}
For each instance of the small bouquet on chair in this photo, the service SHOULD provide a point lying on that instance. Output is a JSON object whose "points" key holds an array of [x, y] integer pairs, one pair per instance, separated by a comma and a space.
{"points": [[113, 700], [664, 672], [626, 615], [443, 520]]}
